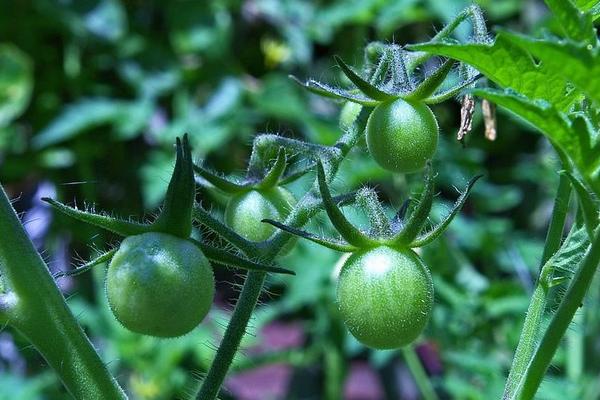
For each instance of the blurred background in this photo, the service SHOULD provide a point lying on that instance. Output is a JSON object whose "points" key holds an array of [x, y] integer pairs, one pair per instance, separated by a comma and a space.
{"points": [[92, 96]]}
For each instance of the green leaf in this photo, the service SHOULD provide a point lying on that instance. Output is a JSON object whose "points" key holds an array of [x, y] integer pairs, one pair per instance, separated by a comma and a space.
{"points": [[588, 204], [575, 63], [16, 83], [573, 139], [126, 117], [576, 25], [509, 66]]}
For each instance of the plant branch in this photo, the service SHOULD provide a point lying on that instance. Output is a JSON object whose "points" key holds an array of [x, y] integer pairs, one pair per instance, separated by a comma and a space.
{"points": [[533, 319], [561, 320], [43, 317], [418, 373]]}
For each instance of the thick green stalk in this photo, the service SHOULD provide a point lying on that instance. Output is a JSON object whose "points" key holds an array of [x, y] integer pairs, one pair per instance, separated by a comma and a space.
{"points": [[39, 311], [535, 312], [561, 320], [418, 373]]}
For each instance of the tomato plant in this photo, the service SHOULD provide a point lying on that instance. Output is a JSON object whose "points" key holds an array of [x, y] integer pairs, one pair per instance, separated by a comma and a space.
{"points": [[159, 279]]}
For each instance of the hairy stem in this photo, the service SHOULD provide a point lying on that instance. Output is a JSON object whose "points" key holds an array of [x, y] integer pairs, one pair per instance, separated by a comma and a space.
{"points": [[39, 312], [561, 320], [255, 280], [535, 312], [418, 373], [233, 335]]}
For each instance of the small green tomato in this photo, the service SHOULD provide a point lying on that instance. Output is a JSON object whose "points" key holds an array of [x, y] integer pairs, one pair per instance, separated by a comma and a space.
{"points": [[159, 285], [385, 296], [246, 210], [402, 136]]}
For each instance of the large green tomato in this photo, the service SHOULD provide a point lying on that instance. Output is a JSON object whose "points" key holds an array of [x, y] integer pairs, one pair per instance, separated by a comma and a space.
{"points": [[402, 136], [385, 296], [245, 211], [159, 285]]}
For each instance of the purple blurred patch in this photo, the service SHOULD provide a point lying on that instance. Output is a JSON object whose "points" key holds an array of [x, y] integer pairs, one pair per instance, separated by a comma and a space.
{"points": [[362, 383], [268, 382]]}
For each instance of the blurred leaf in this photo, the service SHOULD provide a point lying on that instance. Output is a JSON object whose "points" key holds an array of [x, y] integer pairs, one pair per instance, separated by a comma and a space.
{"points": [[107, 20], [126, 117], [16, 82]]}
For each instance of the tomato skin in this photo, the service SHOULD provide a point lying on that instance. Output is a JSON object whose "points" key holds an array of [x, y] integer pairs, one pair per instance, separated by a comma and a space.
{"points": [[402, 136], [385, 296], [159, 285], [245, 211]]}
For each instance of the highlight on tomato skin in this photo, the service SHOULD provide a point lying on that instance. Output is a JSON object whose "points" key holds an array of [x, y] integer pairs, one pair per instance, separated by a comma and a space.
{"points": [[385, 296], [246, 210], [402, 136], [159, 285]]}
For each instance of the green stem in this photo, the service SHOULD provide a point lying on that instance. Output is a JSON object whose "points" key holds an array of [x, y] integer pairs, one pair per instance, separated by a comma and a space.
{"points": [[39, 311], [418, 373], [233, 335], [255, 280], [571, 302], [535, 312]]}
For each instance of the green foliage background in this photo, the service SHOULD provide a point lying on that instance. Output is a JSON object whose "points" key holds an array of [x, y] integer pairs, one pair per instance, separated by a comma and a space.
{"points": [[92, 96]]}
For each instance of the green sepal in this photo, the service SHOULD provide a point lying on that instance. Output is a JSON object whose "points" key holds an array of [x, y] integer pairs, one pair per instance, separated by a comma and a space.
{"points": [[419, 215], [222, 257], [442, 226], [220, 182], [115, 225], [429, 85], [274, 175], [364, 86], [175, 217], [350, 233], [324, 90], [330, 244], [440, 97], [102, 258]]}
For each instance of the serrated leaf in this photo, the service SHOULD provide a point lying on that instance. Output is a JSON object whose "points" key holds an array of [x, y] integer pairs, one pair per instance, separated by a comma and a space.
{"points": [[576, 63], [509, 66], [573, 140], [576, 25], [16, 83], [588, 204], [564, 262]]}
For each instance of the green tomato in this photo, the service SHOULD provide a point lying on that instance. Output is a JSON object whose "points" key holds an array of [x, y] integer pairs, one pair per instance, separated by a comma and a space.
{"points": [[245, 211], [159, 285], [385, 296], [402, 136]]}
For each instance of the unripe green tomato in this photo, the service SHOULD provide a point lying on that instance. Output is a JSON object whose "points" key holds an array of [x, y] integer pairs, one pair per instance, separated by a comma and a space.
{"points": [[159, 285], [402, 136], [385, 296], [245, 211]]}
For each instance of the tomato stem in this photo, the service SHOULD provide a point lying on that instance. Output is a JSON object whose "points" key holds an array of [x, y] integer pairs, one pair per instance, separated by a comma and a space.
{"points": [[40, 313], [534, 317], [418, 373]]}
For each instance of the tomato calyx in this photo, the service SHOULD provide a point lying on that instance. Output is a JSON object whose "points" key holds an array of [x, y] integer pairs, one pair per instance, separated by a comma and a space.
{"points": [[400, 232], [389, 71], [174, 219]]}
